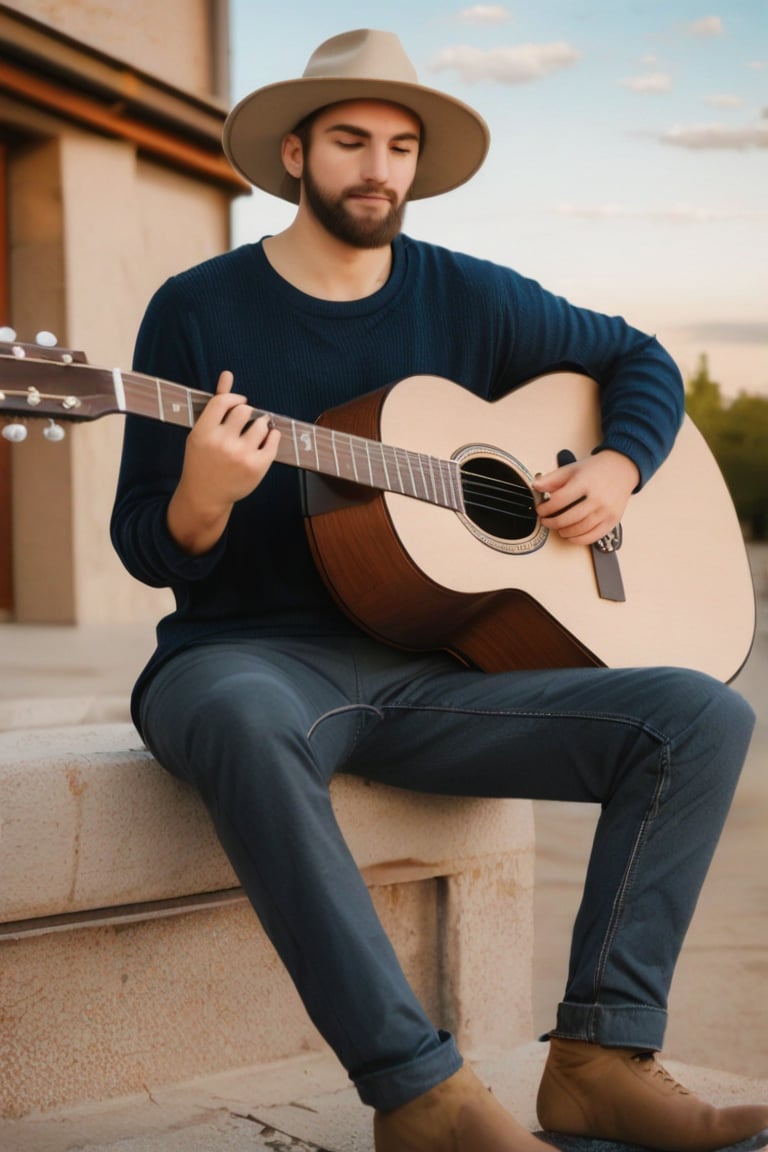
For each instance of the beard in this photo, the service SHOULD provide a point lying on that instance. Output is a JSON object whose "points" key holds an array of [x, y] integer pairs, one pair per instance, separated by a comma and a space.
{"points": [[356, 231]]}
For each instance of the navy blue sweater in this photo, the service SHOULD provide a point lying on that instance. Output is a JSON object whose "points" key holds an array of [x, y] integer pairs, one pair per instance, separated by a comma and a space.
{"points": [[478, 324]]}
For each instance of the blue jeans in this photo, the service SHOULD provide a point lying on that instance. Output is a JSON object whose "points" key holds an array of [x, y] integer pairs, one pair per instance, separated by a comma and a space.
{"points": [[260, 726]]}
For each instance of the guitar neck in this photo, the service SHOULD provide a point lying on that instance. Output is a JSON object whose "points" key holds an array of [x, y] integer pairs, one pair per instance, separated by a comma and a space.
{"points": [[308, 446]]}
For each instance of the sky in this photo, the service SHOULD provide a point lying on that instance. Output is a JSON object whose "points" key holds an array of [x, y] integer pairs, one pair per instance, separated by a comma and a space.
{"points": [[628, 168]]}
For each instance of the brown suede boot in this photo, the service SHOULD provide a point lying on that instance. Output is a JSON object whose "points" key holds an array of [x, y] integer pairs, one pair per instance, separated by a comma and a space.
{"points": [[625, 1095], [459, 1115]]}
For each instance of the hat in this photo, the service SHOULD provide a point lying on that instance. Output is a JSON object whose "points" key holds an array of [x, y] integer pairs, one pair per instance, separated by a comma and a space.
{"points": [[360, 65]]}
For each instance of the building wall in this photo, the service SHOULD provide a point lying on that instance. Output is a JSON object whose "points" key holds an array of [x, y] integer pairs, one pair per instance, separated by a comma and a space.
{"points": [[166, 38], [101, 211]]}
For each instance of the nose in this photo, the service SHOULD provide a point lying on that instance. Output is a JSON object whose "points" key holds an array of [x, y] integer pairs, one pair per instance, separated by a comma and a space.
{"points": [[375, 168]]}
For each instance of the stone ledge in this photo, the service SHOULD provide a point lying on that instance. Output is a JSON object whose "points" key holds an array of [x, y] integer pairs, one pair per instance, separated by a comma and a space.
{"points": [[128, 957], [88, 820]]}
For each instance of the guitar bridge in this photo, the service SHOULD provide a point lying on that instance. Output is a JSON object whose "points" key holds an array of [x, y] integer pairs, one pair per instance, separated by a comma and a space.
{"points": [[606, 563], [612, 540]]}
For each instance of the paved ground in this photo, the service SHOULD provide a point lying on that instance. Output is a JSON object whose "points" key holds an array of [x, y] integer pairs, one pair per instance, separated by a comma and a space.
{"points": [[299, 1107]]}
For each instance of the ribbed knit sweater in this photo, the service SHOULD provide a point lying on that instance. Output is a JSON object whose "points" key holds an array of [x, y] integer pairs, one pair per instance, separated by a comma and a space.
{"points": [[481, 325]]}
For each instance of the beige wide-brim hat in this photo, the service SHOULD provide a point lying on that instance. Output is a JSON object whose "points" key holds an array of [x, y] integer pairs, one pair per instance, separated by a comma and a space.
{"points": [[360, 65]]}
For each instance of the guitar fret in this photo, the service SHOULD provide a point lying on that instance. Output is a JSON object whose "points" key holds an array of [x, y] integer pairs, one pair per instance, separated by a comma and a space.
{"points": [[159, 394], [410, 473], [424, 488], [382, 453], [305, 444], [397, 469], [174, 403], [352, 457], [432, 478], [441, 470], [455, 489]]}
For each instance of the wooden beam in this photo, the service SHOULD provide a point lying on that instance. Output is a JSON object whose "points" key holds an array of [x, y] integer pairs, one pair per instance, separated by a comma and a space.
{"points": [[168, 147]]}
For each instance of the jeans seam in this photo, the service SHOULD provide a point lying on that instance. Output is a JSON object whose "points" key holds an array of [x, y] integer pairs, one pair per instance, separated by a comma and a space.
{"points": [[534, 714], [663, 774], [340, 711]]}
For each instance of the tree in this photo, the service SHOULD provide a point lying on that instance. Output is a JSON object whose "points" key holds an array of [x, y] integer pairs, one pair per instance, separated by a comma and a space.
{"points": [[737, 435], [703, 401]]}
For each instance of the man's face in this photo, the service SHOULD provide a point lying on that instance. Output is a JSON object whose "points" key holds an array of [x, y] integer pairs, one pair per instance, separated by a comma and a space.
{"points": [[359, 168]]}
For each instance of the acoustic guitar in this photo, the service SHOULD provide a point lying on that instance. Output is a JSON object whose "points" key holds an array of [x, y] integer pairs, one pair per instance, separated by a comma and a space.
{"points": [[423, 522]]}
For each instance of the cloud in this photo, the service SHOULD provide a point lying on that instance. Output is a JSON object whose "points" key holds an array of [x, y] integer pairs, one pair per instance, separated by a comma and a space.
{"points": [[511, 65], [484, 14], [729, 331], [717, 137], [651, 82], [725, 100], [709, 26], [671, 213]]}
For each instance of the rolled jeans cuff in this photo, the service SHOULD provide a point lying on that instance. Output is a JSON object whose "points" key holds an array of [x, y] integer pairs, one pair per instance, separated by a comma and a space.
{"points": [[392, 1087], [613, 1026]]}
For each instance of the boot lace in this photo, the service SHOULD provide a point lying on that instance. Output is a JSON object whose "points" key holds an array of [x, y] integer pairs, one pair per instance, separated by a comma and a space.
{"points": [[653, 1068]]}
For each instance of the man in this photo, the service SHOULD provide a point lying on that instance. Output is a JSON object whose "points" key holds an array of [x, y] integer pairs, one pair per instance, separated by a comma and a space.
{"points": [[261, 689]]}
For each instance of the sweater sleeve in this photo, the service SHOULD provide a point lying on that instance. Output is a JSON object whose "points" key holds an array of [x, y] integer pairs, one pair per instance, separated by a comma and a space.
{"points": [[168, 347], [641, 390]]}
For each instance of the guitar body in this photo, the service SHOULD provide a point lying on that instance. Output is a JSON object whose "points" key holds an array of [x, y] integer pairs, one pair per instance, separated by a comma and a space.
{"points": [[425, 577]]}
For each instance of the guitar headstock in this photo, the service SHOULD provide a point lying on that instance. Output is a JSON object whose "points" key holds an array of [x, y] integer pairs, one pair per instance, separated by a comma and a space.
{"points": [[43, 381]]}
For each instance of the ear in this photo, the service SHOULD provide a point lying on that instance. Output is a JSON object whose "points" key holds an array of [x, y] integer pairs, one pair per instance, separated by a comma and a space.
{"points": [[292, 154]]}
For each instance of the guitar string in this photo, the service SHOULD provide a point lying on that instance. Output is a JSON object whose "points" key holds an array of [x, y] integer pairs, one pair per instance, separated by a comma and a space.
{"points": [[479, 486], [504, 508]]}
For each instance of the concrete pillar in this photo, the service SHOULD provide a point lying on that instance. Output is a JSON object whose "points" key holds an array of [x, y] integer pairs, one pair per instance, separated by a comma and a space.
{"points": [[95, 229]]}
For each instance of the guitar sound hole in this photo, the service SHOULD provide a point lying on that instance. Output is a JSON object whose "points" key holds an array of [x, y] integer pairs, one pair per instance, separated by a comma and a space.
{"points": [[497, 500]]}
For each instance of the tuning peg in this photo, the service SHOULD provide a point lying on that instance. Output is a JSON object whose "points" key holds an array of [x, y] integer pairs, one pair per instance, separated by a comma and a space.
{"points": [[54, 432], [14, 432], [46, 339], [7, 335]]}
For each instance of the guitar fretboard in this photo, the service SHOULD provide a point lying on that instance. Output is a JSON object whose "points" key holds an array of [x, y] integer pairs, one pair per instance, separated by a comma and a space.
{"points": [[311, 446]]}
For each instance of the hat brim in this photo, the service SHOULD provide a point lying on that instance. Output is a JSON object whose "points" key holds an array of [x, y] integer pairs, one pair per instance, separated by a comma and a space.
{"points": [[456, 138]]}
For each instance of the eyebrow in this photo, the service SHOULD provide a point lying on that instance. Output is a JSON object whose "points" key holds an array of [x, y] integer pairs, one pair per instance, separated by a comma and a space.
{"points": [[355, 130]]}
